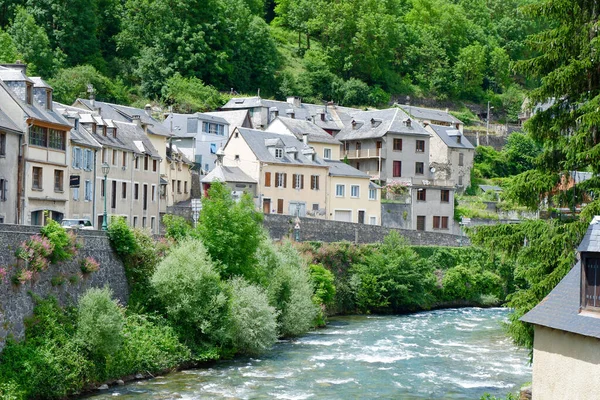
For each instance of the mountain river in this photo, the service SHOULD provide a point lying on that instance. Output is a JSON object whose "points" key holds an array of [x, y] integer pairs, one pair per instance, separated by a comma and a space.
{"points": [[444, 354]]}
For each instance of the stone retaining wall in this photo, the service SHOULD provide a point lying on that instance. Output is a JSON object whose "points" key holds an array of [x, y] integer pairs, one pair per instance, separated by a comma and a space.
{"points": [[312, 229], [16, 301]]}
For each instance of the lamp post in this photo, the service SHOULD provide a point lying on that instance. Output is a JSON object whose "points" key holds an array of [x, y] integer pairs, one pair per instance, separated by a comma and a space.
{"points": [[105, 171]]}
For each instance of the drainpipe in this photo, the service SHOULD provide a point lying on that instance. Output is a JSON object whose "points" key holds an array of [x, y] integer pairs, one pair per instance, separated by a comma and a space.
{"points": [[131, 199], [94, 216], [20, 187], [156, 228], [24, 173]]}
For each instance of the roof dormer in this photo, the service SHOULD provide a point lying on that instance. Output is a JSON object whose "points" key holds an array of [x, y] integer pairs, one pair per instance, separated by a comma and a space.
{"points": [[589, 251]]}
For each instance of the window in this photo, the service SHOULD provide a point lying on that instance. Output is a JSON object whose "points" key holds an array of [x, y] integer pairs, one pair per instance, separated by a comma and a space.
{"points": [[591, 282], [420, 146], [397, 144], [355, 191], [124, 159], [280, 180], [58, 180], [102, 187], [104, 155], [178, 186], [2, 144], [267, 179], [153, 193], [37, 136], [124, 190], [154, 165], [88, 190], [115, 157], [327, 154], [278, 153], [136, 191], [185, 187], [460, 180], [445, 196], [146, 161], [3, 189], [461, 159], [76, 154], [57, 139], [421, 195], [215, 129], [298, 181], [137, 162], [419, 167], [340, 190], [420, 222], [315, 207], [152, 222], [372, 194], [440, 222], [37, 178], [173, 186], [314, 182], [143, 222], [397, 169], [76, 194], [372, 220]]}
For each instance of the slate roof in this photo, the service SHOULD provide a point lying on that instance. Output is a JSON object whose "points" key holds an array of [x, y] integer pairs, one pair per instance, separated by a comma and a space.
{"points": [[377, 123], [227, 174], [80, 135], [448, 136], [560, 309], [339, 168], [256, 140], [235, 118], [315, 134], [40, 83], [180, 123], [306, 111], [7, 124], [118, 112], [431, 114], [34, 110], [13, 75], [490, 188]]}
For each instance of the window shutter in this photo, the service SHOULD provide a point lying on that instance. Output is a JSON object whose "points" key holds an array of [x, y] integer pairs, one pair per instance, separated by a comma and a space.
{"points": [[276, 179], [294, 177], [284, 180], [267, 179], [301, 181], [74, 159]]}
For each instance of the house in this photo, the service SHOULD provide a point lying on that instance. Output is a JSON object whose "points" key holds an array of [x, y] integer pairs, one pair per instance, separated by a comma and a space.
{"points": [[325, 145], [528, 110], [199, 136], [237, 181], [394, 150], [433, 116], [11, 137], [180, 176], [84, 168], [262, 112], [352, 195], [566, 346], [291, 179], [42, 164], [451, 155], [235, 118]]}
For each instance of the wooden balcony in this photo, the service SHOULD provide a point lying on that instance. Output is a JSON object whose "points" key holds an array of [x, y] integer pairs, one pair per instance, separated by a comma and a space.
{"points": [[363, 154]]}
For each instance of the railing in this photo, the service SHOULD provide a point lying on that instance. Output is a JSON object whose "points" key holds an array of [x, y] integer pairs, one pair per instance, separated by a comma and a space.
{"points": [[368, 153], [410, 181]]}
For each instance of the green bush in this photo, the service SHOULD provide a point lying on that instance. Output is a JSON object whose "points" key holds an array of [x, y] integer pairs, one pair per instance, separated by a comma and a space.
{"points": [[324, 290], [11, 391], [192, 295], [149, 345], [100, 322], [177, 228], [64, 244], [253, 320], [121, 237]]}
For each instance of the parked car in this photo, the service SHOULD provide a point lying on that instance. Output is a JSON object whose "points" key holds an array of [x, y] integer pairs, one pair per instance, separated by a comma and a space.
{"points": [[77, 224]]}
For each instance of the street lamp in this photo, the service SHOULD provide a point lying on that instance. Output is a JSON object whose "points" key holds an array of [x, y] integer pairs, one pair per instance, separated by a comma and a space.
{"points": [[105, 171]]}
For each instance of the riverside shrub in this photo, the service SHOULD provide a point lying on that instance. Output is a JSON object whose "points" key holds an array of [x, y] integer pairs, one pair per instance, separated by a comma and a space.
{"points": [[100, 322], [253, 320], [324, 290], [191, 293]]}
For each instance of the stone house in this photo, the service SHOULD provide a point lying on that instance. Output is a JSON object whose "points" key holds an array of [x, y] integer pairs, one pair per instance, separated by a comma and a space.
{"points": [[566, 346], [326, 146], [11, 137], [42, 163], [451, 155], [178, 189]]}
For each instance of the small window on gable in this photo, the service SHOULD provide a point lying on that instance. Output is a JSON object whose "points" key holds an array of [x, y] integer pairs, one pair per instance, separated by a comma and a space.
{"points": [[237, 134], [278, 152]]}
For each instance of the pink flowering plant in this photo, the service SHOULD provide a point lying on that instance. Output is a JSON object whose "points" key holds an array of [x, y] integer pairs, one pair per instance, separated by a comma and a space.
{"points": [[35, 252], [89, 265], [22, 276], [3, 274], [396, 187]]}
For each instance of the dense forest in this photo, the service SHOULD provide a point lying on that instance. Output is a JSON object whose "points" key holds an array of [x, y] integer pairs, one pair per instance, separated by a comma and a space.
{"points": [[354, 52]]}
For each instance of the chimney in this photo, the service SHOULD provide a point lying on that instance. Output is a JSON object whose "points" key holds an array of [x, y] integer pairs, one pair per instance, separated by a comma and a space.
{"points": [[295, 101], [305, 138], [322, 116], [447, 110], [273, 113], [290, 113], [148, 110], [136, 120], [353, 124], [17, 65]]}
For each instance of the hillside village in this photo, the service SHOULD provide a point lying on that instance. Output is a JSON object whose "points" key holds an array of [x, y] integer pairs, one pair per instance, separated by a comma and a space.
{"points": [[80, 160]]}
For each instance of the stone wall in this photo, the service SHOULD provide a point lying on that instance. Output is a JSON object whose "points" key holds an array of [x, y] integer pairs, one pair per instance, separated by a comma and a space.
{"points": [[16, 301], [396, 215], [311, 229]]}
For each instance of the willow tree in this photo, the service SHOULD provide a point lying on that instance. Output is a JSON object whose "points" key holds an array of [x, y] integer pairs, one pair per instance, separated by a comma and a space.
{"points": [[567, 66]]}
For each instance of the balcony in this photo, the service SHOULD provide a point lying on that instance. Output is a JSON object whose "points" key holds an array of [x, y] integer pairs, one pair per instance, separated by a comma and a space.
{"points": [[363, 154], [411, 181]]}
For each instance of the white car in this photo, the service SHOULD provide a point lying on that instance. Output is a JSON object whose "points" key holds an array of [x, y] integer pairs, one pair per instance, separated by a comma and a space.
{"points": [[76, 224]]}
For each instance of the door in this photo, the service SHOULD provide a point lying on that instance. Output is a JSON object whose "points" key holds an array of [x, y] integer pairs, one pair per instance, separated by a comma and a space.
{"points": [[297, 209], [145, 197], [343, 215], [361, 217], [420, 222], [358, 147], [279, 206], [267, 206], [113, 195]]}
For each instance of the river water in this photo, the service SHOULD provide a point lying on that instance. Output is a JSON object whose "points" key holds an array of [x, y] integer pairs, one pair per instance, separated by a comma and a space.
{"points": [[444, 354]]}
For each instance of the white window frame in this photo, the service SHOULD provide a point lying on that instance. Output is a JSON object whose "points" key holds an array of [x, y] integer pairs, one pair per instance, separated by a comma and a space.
{"points": [[75, 194], [327, 153], [278, 152], [354, 188], [338, 192], [88, 190], [372, 220], [372, 194]]}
